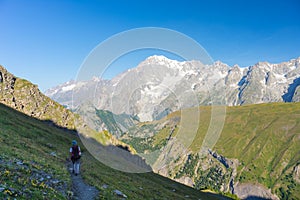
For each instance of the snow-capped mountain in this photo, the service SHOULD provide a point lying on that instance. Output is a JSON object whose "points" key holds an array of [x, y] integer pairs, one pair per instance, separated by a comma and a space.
{"points": [[158, 86]]}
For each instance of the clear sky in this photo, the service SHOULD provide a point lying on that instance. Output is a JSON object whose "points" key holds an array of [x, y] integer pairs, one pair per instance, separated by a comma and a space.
{"points": [[47, 41]]}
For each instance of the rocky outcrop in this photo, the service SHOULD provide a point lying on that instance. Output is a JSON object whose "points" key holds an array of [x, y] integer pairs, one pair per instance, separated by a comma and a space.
{"points": [[25, 97], [297, 173], [296, 96], [251, 191], [220, 158]]}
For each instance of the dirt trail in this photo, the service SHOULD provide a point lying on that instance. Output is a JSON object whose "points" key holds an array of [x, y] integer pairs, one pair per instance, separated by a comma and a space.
{"points": [[81, 190]]}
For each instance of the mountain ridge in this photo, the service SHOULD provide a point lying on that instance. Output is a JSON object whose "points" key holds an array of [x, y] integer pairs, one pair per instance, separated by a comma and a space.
{"points": [[153, 90], [159, 86]]}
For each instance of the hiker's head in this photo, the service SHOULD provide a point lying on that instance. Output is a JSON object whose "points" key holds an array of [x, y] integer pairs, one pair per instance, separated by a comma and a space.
{"points": [[74, 142]]}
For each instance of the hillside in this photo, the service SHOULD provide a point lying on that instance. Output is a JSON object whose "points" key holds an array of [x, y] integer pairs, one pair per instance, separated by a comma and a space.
{"points": [[33, 166], [26, 97], [258, 149]]}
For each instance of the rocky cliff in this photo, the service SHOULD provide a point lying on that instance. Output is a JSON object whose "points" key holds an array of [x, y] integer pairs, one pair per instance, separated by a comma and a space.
{"points": [[25, 97]]}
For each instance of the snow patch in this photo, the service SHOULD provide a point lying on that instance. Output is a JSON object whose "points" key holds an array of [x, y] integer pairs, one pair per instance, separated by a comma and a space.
{"points": [[280, 78], [68, 88]]}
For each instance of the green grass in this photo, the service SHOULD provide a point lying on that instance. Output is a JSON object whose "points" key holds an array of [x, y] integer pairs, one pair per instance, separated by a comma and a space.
{"points": [[32, 141], [265, 138]]}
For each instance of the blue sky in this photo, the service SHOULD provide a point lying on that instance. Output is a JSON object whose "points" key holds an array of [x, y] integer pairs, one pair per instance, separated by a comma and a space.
{"points": [[47, 41]]}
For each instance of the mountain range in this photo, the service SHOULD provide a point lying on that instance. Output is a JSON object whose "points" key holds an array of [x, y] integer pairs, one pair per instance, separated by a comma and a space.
{"points": [[256, 154], [159, 86], [36, 134]]}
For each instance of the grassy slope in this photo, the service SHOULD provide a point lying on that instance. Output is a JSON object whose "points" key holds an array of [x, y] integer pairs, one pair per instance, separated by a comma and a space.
{"points": [[32, 141], [265, 138]]}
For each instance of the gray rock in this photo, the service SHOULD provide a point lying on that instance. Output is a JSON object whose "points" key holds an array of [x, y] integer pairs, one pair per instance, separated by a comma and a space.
{"points": [[19, 163], [246, 190], [104, 186], [119, 193], [25, 97], [53, 154], [55, 181]]}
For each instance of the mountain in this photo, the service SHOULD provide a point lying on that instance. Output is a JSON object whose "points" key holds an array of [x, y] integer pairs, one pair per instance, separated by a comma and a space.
{"points": [[33, 166], [256, 155], [101, 120], [25, 97], [159, 86], [36, 134]]}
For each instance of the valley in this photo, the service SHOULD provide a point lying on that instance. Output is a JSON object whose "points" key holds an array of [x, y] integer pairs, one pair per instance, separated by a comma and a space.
{"points": [[251, 150]]}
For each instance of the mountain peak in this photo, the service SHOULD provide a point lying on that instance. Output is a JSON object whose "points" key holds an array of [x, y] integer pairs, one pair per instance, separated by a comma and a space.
{"points": [[159, 60], [219, 63]]}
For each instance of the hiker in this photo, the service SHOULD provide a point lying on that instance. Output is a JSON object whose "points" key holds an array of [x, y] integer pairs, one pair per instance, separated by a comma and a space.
{"points": [[75, 155]]}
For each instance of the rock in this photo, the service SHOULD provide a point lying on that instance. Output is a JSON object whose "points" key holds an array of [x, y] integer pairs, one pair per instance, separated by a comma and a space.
{"points": [[55, 181], [220, 158], [246, 190], [186, 180], [53, 154], [70, 193], [19, 163], [104, 186], [25, 97], [119, 193], [2, 189], [49, 145], [297, 173], [1, 79]]}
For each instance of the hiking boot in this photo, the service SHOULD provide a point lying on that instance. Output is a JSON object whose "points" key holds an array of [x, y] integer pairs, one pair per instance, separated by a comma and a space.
{"points": [[73, 171]]}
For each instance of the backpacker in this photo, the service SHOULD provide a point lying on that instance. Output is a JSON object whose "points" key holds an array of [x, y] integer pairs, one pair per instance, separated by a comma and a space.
{"points": [[75, 152]]}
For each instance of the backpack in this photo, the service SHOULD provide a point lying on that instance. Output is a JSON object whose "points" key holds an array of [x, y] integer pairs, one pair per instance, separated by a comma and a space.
{"points": [[75, 152]]}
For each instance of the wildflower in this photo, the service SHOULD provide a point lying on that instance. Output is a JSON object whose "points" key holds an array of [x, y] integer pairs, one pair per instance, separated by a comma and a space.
{"points": [[43, 185], [34, 183], [7, 191], [6, 173]]}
